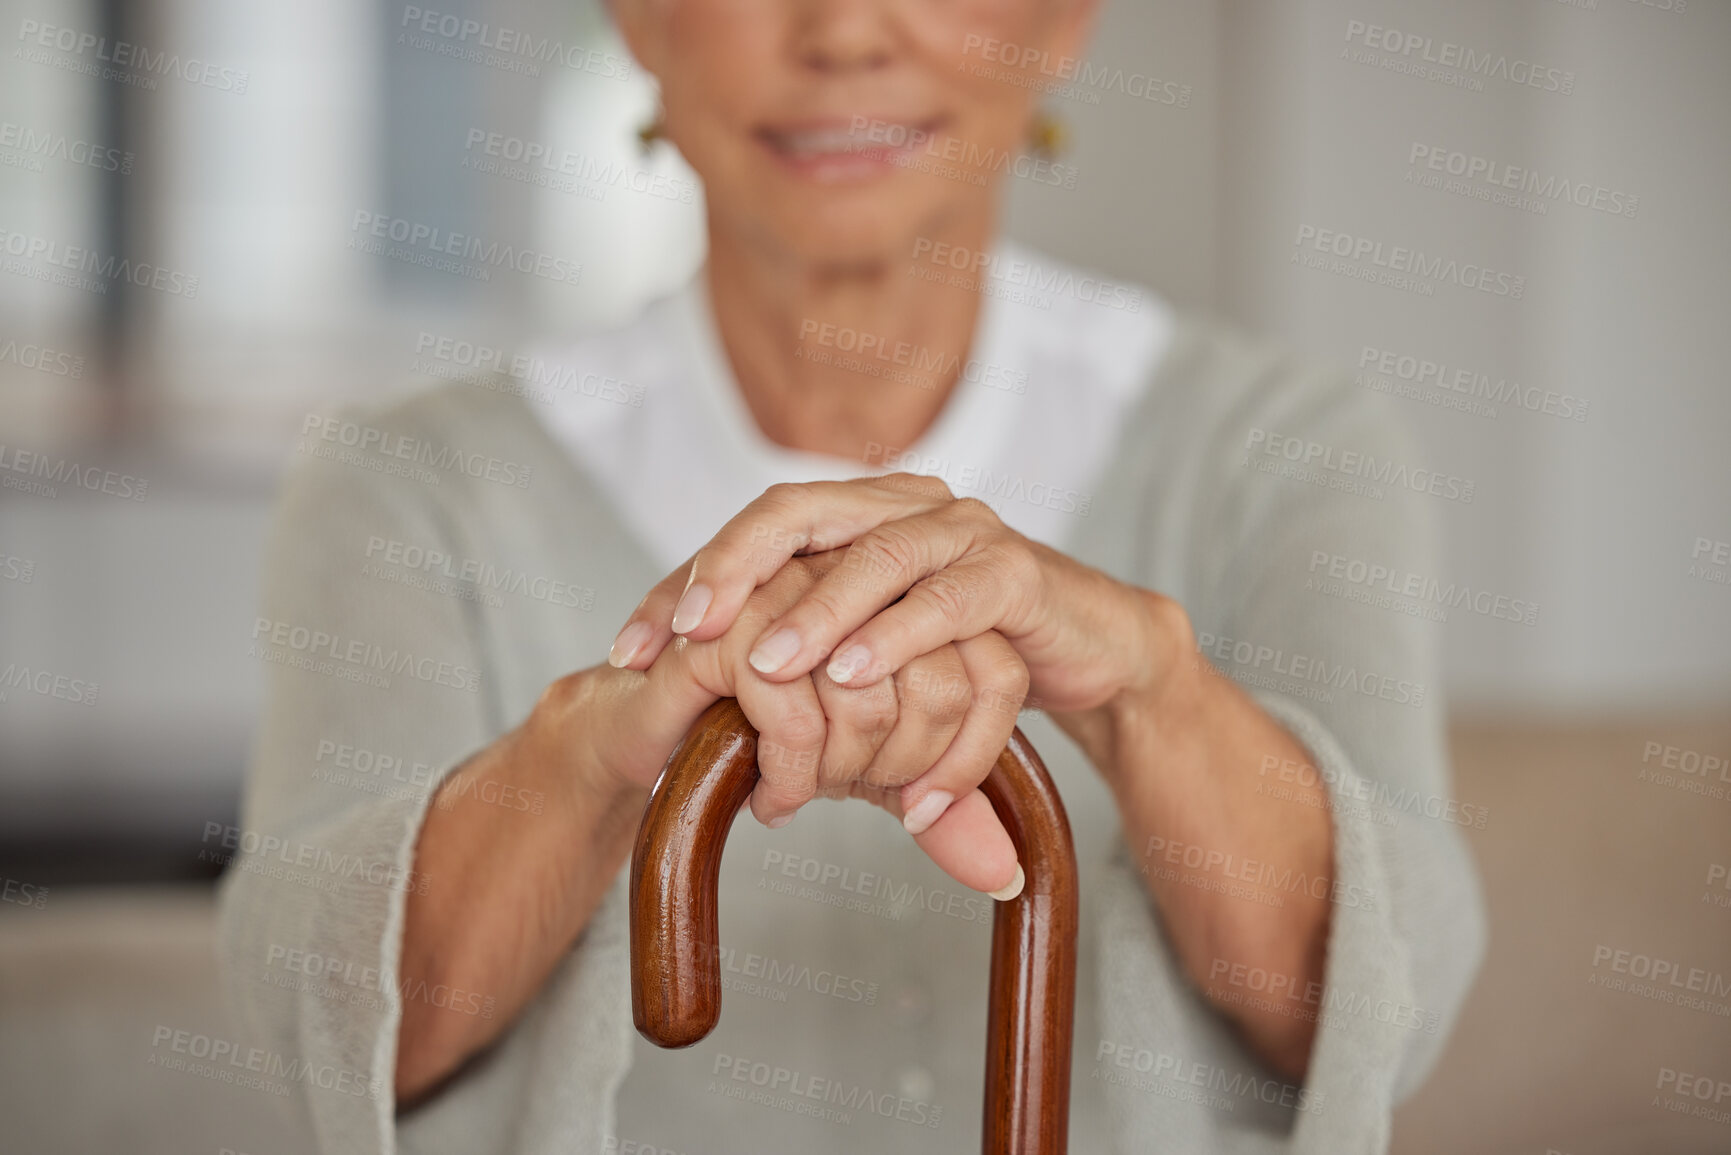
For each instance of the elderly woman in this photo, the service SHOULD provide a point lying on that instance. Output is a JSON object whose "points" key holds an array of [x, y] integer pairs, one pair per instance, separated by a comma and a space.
{"points": [[1099, 518]]}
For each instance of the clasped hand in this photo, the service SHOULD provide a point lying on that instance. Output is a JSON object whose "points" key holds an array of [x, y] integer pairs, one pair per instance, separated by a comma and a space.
{"points": [[882, 635]]}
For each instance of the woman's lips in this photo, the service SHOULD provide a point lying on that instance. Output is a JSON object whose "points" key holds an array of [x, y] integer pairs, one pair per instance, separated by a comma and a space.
{"points": [[859, 148]]}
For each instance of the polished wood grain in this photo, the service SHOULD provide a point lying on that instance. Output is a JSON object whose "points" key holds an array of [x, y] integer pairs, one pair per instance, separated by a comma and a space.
{"points": [[675, 940]]}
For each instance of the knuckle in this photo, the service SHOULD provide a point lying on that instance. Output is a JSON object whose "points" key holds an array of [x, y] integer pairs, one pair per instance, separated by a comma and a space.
{"points": [[886, 552], [802, 728], [881, 777], [784, 494], [973, 507], [923, 484], [558, 696], [939, 691], [947, 595], [871, 712]]}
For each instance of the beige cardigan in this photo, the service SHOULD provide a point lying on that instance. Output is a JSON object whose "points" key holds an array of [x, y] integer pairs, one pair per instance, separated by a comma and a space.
{"points": [[854, 1014]]}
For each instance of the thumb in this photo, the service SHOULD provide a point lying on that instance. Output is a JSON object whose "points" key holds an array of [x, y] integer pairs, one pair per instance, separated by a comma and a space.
{"points": [[970, 844]]}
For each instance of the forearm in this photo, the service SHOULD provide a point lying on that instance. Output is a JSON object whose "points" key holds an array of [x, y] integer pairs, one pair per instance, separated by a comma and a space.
{"points": [[1183, 756], [509, 891]]}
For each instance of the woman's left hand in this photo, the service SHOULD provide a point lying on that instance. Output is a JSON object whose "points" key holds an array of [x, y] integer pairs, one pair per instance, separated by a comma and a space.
{"points": [[923, 568]]}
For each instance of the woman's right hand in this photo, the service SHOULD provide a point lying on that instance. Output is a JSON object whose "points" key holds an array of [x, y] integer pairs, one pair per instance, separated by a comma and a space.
{"points": [[938, 725], [509, 893]]}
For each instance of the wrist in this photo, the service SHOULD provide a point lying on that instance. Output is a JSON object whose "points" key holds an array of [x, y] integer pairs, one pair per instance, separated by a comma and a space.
{"points": [[1157, 700], [1168, 672], [565, 740]]}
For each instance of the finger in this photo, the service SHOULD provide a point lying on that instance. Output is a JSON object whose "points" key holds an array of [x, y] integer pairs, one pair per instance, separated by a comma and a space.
{"points": [[881, 566], [969, 843], [932, 695], [859, 721], [999, 681], [790, 735], [997, 589], [788, 520], [645, 633]]}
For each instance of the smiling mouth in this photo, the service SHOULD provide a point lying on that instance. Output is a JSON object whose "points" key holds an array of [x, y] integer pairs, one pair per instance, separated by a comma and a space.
{"points": [[860, 146]]}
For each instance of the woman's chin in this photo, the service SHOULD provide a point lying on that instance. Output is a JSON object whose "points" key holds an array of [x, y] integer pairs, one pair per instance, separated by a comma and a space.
{"points": [[843, 229]]}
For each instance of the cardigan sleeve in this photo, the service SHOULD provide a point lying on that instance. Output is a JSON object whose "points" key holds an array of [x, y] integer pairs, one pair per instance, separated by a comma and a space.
{"points": [[1352, 671], [373, 692], [1276, 562], [376, 690]]}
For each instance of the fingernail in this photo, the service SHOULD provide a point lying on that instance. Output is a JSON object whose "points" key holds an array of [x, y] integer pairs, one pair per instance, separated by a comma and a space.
{"points": [[626, 645], [693, 603], [1014, 888], [848, 665], [775, 651], [778, 823], [927, 811]]}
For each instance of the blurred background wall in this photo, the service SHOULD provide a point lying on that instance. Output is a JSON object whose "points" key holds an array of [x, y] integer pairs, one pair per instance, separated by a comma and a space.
{"points": [[237, 183]]}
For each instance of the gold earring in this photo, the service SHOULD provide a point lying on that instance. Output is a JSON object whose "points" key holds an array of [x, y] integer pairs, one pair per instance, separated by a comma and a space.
{"points": [[652, 132], [1048, 137]]}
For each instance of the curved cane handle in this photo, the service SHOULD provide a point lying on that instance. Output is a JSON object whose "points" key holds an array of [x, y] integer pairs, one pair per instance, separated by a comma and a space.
{"points": [[675, 945]]}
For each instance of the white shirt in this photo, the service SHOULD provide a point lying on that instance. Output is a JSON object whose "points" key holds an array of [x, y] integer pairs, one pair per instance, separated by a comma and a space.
{"points": [[1058, 358]]}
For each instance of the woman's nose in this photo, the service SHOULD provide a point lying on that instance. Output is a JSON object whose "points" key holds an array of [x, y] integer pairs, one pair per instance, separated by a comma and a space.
{"points": [[841, 35]]}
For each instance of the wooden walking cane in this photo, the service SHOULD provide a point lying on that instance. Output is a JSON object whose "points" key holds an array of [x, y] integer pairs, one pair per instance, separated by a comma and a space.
{"points": [[675, 963]]}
